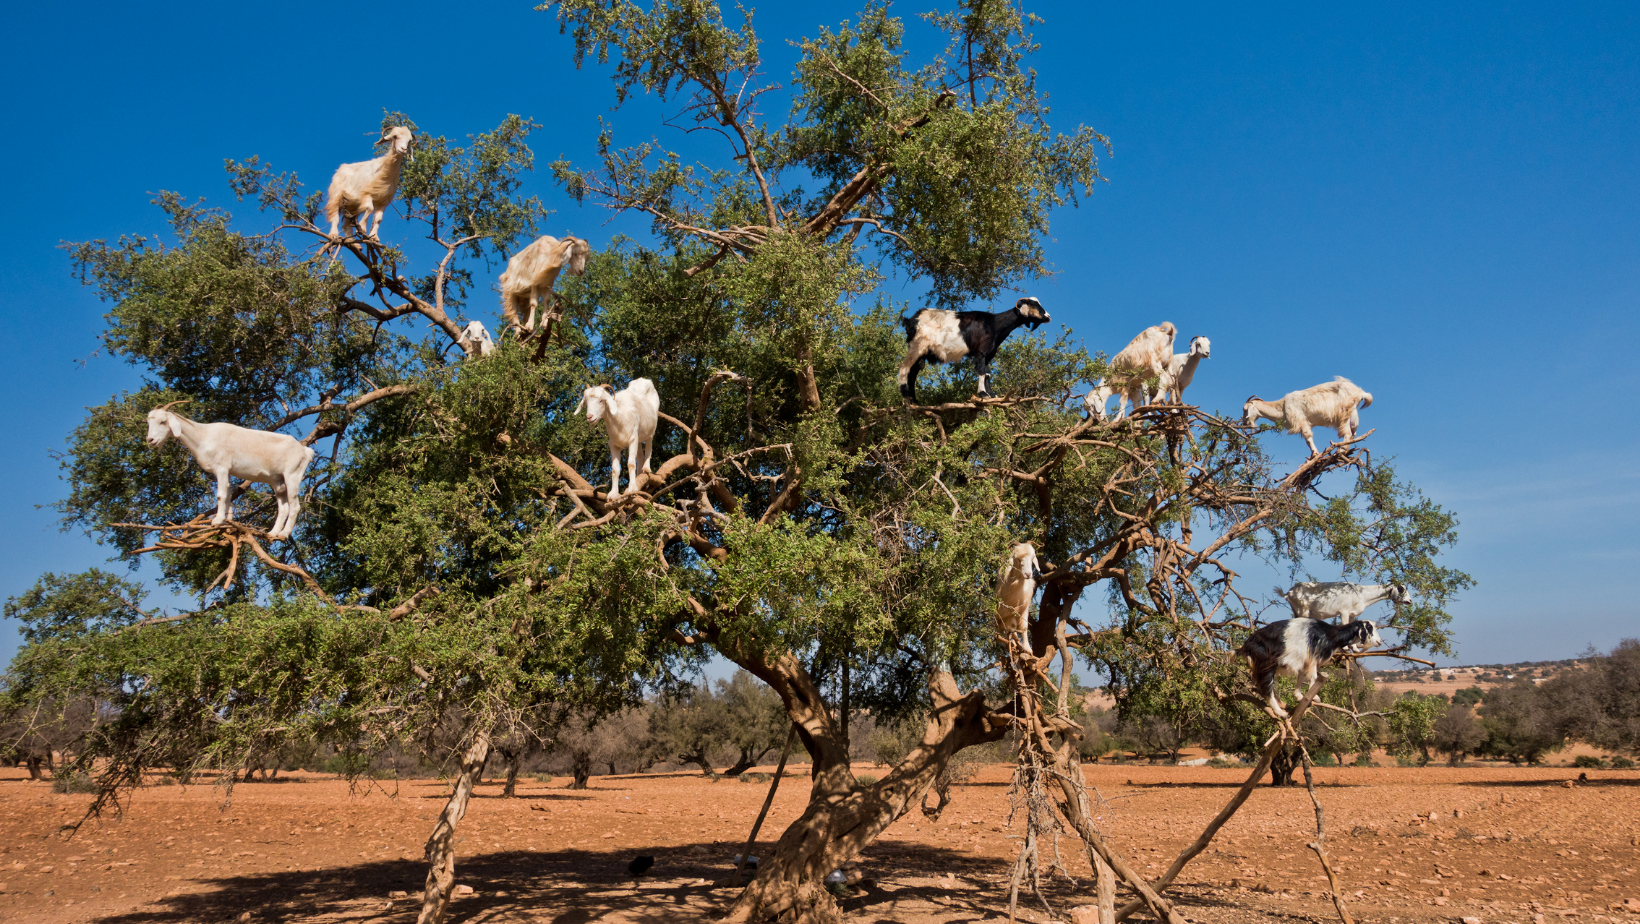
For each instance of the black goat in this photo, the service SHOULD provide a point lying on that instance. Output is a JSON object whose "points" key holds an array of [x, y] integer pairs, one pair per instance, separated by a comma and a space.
{"points": [[939, 336], [1297, 648]]}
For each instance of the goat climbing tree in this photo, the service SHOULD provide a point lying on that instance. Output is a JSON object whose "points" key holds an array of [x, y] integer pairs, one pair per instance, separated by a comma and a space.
{"points": [[458, 568]]}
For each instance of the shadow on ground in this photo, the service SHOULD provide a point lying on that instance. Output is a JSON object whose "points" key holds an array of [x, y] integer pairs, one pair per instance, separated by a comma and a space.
{"points": [[688, 883]]}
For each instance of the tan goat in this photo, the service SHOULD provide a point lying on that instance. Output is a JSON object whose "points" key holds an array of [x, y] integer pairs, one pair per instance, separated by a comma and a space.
{"points": [[532, 271], [367, 188], [1146, 356], [1016, 586], [1335, 404]]}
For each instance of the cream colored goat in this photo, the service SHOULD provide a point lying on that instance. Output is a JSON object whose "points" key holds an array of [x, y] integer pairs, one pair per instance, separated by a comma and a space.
{"points": [[475, 340], [1181, 370], [367, 187], [1335, 404], [532, 271], [1016, 587], [1145, 357], [229, 452], [629, 417]]}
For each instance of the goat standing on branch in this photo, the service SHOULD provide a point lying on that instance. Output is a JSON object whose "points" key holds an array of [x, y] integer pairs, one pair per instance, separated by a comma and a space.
{"points": [[940, 336], [1335, 404], [1340, 599], [368, 187], [1181, 370], [229, 452], [629, 417], [1297, 648], [1147, 356], [1016, 587], [531, 272]]}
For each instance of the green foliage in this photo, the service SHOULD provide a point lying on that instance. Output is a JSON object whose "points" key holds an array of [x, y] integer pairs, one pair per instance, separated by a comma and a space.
{"points": [[1519, 725], [1412, 726], [1600, 703], [1622, 763], [73, 605], [73, 783], [1589, 762], [1468, 696]]}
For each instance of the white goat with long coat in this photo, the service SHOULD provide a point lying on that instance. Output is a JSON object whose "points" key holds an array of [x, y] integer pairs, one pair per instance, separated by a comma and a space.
{"points": [[368, 187], [1335, 404], [1016, 587], [629, 417], [1340, 599], [531, 273], [1146, 356], [228, 451], [1181, 370]]}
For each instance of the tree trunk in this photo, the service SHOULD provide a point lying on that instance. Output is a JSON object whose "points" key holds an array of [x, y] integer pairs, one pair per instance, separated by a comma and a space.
{"points": [[580, 769], [441, 846], [747, 761], [842, 816], [1282, 767], [514, 759], [34, 763]]}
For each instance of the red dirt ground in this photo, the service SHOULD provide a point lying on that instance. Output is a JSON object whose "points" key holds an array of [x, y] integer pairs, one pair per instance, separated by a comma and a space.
{"points": [[1506, 845]]}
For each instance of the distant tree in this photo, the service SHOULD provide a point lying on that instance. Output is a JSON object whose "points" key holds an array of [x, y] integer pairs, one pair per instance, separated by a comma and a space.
{"points": [[1519, 726], [1412, 725], [1457, 733], [1600, 703], [1468, 696]]}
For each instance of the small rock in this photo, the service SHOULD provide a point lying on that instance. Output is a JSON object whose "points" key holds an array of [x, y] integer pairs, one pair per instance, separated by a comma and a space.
{"points": [[1439, 900], [1471, 921], [1631, 905], [1085, 914], [1537, 919], [468, 890], [47, 869], [245, 916], [1485, 872], [1568, 784]]}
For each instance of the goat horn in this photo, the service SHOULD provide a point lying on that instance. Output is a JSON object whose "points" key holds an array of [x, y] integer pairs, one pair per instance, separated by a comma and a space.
{"points": [[166, 407]]}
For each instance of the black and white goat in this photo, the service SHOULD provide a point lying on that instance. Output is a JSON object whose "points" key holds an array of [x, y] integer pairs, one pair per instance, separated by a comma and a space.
{"points": [[934, 335], [1297, 648]]}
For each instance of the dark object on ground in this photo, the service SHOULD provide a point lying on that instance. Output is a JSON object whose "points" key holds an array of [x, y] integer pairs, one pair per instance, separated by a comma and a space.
{"points": [[639, 866]]}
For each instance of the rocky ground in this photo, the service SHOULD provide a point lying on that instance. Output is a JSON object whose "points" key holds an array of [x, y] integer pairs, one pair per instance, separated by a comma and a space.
{"points": [[1492, 844]]}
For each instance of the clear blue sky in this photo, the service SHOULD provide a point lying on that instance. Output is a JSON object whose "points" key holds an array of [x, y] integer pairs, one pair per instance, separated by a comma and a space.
{"points": [[1440, 203]]}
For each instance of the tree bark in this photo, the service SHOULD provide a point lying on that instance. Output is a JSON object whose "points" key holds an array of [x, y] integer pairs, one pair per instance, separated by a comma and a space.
{"points": [[514, 760], [842, 816], [441, 846], [580, 768]]}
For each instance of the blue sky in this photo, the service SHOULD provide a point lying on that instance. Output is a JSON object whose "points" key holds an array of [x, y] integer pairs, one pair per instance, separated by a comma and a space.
{"points": [[1439, 203]]}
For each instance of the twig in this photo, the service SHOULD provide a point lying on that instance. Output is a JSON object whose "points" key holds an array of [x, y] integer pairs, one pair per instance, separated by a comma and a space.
{"points": [[1319, 845]]}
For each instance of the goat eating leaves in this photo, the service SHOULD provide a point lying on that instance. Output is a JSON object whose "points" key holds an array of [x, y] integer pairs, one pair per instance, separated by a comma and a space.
{"points": [[229, 452]]}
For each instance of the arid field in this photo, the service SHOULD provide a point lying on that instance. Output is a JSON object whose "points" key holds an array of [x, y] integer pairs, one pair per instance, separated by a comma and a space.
{"points": [[1502, 845]]}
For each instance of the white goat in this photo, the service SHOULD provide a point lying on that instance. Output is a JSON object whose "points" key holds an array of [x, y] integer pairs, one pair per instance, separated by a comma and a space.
{"points": [[1334, 599], [1145, 356], [1181, 370], [368, 187], [531, 272], [1335, 404], [475, 340], [229, 452], [629, 417], [1016, 586]]}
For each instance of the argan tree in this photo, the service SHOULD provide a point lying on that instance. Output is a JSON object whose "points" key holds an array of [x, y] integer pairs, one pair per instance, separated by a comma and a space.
{"points": [[459, 558]]}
